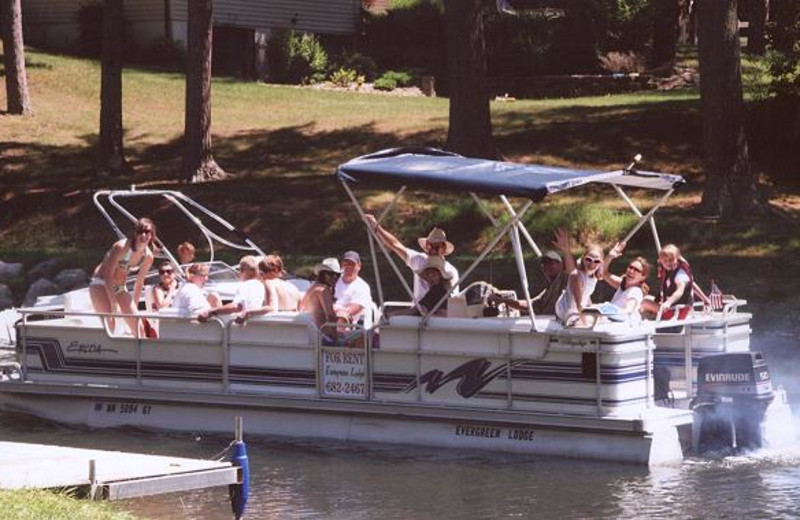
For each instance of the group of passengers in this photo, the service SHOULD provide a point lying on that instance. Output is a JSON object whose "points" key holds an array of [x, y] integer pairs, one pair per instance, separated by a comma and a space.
{"points": [[340, 295], [571, 284]]}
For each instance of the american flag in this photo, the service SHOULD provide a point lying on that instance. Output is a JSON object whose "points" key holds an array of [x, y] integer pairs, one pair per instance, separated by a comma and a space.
{"points": [[715, 295]]}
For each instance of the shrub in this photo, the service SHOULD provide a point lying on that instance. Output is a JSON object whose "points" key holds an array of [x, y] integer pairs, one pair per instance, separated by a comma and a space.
{"points": [[384, 83], [400, 78], [344, 77], [296, 58], [362, 64]]}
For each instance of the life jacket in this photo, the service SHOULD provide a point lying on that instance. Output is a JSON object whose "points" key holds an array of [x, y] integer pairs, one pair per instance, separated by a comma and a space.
{"points": [[667, 284]]}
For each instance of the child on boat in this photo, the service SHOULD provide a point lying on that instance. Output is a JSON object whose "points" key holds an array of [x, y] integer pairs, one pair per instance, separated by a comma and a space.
{"points": [[676, 286]]}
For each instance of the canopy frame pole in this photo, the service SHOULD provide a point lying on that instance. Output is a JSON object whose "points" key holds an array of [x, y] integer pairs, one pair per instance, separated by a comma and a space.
{"points": [[112, 201], [638, 213], [375, 266], [485, 210], [380, 244], [523, 273], [648, 216], [521, 226], [486, 250]]}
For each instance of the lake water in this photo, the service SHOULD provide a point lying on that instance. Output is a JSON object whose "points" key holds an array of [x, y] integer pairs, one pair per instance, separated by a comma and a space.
{"points": [[305, 479]]}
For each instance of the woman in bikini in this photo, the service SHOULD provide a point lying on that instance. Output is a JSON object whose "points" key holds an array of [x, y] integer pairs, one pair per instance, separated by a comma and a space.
{"points": [[107, 288]]}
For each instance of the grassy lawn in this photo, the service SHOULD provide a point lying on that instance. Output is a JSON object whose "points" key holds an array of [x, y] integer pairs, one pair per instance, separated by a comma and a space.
{"points": [[31, 504], [282, 144]]}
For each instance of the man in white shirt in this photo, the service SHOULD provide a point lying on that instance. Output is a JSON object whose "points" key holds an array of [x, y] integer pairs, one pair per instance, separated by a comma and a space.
{"points": [[249, 295], [353, 294], [192, 299], [435, 244]]}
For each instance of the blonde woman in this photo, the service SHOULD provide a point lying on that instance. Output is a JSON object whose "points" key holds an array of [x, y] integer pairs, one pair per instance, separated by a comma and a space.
{"points": [[580, 285]]}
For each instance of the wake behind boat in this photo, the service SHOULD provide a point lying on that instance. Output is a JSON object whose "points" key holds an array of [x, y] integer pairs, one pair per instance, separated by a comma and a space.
{"points": [[505, 382]]}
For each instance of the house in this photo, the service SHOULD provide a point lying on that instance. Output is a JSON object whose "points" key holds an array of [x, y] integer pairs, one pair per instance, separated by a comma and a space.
{"points": [[241, 27]]}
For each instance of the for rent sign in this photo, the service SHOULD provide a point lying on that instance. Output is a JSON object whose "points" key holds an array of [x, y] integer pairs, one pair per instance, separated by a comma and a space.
{"points": [[344, 373]]}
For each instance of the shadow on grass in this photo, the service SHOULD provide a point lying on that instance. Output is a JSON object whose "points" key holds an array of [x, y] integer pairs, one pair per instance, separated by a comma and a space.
{"points": [[282, 190], [667, 134]]}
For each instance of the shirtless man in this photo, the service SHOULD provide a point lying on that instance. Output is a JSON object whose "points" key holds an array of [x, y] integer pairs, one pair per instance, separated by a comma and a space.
{"points": [[280, 294]]}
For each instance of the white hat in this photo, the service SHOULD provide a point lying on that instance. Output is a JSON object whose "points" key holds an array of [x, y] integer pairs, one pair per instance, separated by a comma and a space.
{"points": [[436, 262], [436, 235], [329, 264]]}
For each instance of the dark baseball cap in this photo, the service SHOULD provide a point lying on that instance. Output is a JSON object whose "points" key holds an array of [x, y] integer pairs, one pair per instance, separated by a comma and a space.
{"points": [[352, 256]]}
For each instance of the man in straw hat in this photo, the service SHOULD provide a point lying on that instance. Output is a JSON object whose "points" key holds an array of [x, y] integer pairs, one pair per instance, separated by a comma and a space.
{"points": [[435, 244]]}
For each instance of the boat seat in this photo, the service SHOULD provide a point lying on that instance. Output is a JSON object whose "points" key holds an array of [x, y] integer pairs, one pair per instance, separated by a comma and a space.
{"points": [[283, 328], [80, 301]]}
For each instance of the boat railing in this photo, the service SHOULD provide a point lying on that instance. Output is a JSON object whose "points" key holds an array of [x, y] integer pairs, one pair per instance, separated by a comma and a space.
{"points": [[136, 336], [344, 372]]}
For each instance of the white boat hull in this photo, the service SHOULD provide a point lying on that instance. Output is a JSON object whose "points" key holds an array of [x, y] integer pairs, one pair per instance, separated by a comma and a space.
{"points": [[652, 442]]}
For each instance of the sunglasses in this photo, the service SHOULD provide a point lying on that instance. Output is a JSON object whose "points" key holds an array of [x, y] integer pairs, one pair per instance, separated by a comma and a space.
{"points": [[590, 260], [165, 271], [634, 268]]}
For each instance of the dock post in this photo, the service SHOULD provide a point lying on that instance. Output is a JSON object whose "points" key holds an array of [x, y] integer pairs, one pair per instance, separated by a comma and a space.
{"points": [[93, 487], [239, 492]]}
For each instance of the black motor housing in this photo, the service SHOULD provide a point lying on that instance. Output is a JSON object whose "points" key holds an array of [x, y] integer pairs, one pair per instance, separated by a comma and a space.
{"points": [[733, 393]]}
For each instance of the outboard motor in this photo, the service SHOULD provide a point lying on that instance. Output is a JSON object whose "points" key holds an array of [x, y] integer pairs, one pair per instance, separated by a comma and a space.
{"points": [[733, 393]]}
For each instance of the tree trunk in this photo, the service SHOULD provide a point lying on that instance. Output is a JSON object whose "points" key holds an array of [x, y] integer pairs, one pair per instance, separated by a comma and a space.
{"points": [[470, 130], [198, 162], [757, 17], [111, 156], [665, 34], [685, 23], [17, 97], [731, 188]]}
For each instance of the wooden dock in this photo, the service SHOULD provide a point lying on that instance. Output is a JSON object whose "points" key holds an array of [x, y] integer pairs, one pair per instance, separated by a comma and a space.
{"points": [[110, 475]]}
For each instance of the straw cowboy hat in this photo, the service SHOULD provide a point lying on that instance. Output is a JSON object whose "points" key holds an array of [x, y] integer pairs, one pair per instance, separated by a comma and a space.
{"points": [[329, 264], [436, 236], [436, 262]]}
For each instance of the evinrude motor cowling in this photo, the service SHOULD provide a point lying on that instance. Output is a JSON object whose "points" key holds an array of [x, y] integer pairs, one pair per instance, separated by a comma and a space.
{"points": [[733, 393]]}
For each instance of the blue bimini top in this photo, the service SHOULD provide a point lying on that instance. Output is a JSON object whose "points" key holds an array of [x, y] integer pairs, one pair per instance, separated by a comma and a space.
{"points": [[438, 170]]}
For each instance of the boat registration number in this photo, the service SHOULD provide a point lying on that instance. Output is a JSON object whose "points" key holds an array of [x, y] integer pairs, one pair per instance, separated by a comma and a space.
{"points": [[123, 408]]}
